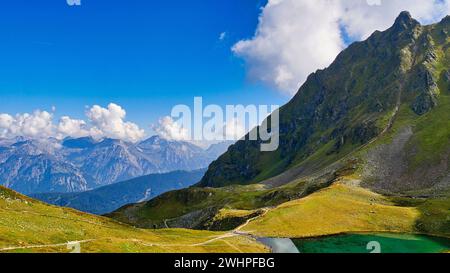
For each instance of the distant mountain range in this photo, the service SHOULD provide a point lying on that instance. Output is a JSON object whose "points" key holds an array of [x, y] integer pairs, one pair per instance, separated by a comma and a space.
{"points": [[81, 164], [108, 198]]}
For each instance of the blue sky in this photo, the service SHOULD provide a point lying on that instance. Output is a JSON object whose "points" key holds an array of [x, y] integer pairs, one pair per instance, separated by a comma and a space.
{"points": [[143, 55], [148, 56]]}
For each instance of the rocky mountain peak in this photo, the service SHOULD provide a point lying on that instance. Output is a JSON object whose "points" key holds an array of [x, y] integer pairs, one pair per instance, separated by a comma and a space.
{"points": [[153, 140], [405, 22], [81, 143], [446, 19], [109, 142]]}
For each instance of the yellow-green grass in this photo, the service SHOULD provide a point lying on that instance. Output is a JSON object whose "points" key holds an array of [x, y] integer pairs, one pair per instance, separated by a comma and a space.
{"points": [[337, 209], [27, 225], [229, 213]]}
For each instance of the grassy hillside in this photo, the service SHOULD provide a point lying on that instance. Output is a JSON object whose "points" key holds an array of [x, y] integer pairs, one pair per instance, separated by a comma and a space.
{"points": [[27, 225], [196, 207], [346, 207]]}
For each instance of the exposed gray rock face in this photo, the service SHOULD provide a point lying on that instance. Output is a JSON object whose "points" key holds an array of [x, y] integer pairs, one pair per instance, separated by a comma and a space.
{"points": [[388, 162], [424, 103], [41, 173], [447, 76], [426, 85]]}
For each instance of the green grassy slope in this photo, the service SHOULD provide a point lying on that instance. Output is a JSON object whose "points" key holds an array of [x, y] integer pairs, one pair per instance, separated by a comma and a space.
{"points": [[27, 225], [203, 204], [344, 208]]}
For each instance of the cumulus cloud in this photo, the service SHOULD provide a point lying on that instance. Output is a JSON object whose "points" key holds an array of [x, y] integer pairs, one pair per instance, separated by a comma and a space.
{"points": [[232, 129], [72, 127], [293, 38], [110, 122], [35, 125], [102, 123], [235, 129], [168, 128], [296, 37]]}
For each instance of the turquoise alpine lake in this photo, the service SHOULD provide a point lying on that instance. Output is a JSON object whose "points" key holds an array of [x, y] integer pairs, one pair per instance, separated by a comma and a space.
{"points": [[373, 243]]}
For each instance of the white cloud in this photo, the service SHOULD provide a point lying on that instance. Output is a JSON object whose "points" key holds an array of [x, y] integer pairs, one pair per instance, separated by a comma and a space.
{"points": [[35, 125], [296, 37], [232, 129], [374, 2], [293, 38], [103, 122], [222, 36], [109, 122], [169, 129], [6, 121], [72, 127]]}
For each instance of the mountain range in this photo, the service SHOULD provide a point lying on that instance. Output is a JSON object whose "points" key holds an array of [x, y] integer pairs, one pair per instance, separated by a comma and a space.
{"points": [[111, 197], [80, 164]]}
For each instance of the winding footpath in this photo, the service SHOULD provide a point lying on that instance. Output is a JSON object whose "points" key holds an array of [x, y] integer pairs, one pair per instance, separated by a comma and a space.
{"points": [[45, 246], [236, 232]]}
